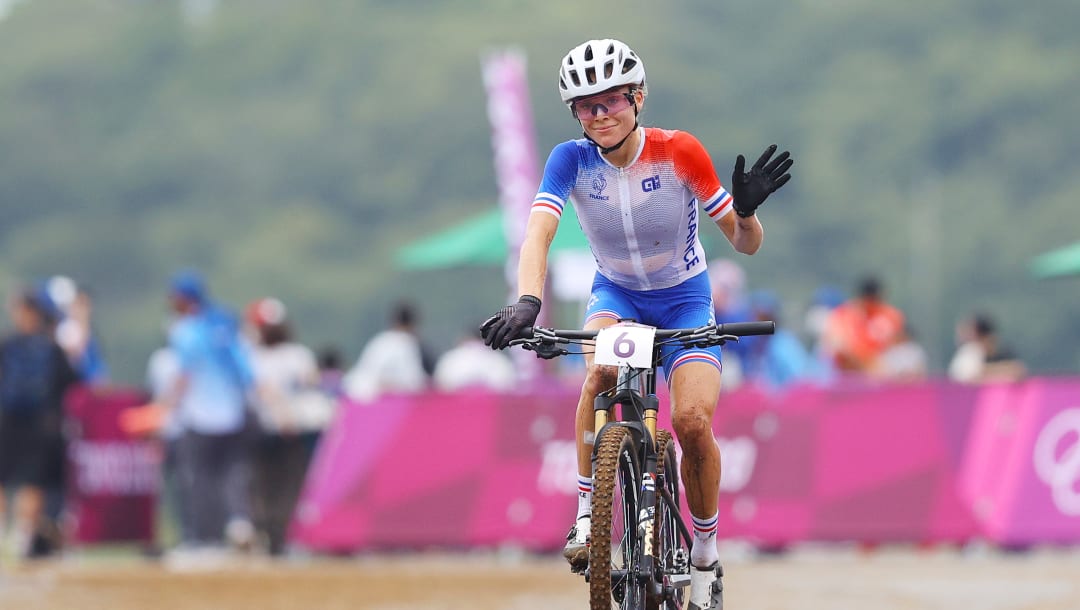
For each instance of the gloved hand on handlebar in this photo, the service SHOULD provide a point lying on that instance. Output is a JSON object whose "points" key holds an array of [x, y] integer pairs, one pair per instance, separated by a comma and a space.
{"points": [[750, 189], [505, 326]]}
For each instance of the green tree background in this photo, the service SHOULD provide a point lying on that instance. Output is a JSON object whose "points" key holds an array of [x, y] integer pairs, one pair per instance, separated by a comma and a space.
{"points": [[290, 148]]}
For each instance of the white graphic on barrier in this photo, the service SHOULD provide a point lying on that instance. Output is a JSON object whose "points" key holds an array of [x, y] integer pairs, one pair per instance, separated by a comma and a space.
{"points": [[739, 457], [119, 468], [1059, 467], [558, 468]]}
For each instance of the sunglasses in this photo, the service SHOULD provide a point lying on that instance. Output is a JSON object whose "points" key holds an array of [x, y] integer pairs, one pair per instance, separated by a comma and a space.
{"points": [[609, 103]]}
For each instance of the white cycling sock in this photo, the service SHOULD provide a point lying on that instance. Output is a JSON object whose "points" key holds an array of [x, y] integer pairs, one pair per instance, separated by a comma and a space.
{"points": [[584, 496], [703, 554]]}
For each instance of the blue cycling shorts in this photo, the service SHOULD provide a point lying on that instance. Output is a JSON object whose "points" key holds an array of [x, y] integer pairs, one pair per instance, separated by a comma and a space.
{"points": [[687, 305]]}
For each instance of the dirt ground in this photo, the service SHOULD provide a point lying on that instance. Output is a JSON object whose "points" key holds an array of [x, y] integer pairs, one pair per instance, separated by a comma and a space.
{"points": [[827, 578]]}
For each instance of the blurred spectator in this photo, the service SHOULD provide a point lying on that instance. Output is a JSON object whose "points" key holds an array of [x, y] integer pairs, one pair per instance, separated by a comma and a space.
{"points": [[728, 283], [287, 378], [209, 397], [981, 357], [55, 306], [391, 361], [905, 360], [330, 371], [859, 331], [473, 364], [75, 330], [967, 361], [826, 299], [34, 376], [773, 361], [815, 319]]}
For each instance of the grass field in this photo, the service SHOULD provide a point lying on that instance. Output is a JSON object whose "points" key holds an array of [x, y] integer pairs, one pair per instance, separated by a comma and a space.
{"points": [[828, 578]]}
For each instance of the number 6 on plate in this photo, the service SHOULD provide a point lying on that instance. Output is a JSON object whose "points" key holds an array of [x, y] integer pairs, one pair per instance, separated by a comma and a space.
{"points": [[625, 343]]}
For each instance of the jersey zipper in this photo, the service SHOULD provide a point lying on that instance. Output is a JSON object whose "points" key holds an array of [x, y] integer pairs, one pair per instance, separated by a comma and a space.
{"points": [[628, 228]]}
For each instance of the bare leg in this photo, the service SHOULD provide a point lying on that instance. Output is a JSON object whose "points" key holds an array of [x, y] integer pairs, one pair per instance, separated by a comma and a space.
{"points": [[695, 390], [597, 379]]}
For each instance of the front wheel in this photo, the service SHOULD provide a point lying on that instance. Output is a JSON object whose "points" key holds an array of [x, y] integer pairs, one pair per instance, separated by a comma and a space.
{"points": [[613, 539]]}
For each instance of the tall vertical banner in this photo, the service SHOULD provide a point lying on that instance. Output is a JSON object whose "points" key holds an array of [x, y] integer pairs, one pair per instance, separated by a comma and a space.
{"points": [[514, 144], [516, 165]]}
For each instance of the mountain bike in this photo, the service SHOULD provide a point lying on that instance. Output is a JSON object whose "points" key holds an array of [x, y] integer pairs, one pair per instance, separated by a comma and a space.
{"points": [[639, 553]]}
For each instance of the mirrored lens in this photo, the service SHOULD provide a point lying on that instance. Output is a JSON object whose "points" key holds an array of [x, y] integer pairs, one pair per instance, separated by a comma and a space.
{"points": [[607, 103]]}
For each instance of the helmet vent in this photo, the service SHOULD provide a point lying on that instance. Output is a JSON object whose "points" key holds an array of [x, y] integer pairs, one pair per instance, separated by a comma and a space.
{"points": [[576, 78], [588, 53], [628, 65], [611, 49], [590, 75], [609, 67]]}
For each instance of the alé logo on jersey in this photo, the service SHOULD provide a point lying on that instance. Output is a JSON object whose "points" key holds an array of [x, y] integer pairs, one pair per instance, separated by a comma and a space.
{"points": [[598, 185], [649, 185]]}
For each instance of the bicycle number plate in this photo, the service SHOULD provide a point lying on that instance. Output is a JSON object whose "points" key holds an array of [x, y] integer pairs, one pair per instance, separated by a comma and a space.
{"points": [[625, 343]]}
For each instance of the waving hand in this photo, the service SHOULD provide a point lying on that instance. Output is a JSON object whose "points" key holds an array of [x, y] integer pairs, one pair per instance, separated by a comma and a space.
{"points": [[750, 189]]}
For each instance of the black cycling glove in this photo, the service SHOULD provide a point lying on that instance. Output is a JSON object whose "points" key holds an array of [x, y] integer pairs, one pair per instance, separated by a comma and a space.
{"points": [[505, 326], [750, 189]]}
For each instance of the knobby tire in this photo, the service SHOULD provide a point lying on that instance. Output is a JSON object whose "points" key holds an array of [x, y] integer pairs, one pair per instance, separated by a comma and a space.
{"points": [[614, 509]]}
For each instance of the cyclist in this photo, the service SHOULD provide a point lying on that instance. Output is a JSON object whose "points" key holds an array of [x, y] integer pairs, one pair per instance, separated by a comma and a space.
{"points": [[637, 192]]}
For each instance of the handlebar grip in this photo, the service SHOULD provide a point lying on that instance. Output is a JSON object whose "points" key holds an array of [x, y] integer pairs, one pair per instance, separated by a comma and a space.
{"points": [[746, 329]]}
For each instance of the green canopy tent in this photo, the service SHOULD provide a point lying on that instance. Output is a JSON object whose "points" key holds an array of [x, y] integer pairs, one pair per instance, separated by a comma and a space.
{"points": [[1058, 263], [479, 241]]}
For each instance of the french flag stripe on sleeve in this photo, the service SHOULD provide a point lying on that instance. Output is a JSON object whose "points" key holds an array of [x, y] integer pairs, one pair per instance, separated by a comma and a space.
{"points": [[546, 202], [720, 203]]}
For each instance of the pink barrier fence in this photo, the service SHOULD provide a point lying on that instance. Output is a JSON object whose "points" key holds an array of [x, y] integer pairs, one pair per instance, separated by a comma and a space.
{"points": [[933, 462], [1021, 475], [113, 480], [870, 464]]}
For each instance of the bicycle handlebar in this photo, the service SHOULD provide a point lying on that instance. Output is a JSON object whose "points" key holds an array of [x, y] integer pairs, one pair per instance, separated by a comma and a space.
{"points": [[737, 329], [544, 341]]}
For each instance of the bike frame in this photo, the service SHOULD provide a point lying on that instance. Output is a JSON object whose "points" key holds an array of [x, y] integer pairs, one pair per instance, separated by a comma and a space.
{"points": [[635, 393]]}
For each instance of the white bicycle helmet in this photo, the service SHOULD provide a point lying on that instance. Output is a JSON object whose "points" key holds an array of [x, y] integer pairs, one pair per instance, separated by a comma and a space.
{"points": [[598, 65]]}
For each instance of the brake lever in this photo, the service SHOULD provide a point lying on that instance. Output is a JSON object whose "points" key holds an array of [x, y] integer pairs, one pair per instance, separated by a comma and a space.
{"points": [[714, 340], [548, 351], [542, 348], [723, 339]]}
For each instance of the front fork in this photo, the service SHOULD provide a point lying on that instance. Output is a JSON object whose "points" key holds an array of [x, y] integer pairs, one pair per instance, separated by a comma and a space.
{"points": [[643, 383]]}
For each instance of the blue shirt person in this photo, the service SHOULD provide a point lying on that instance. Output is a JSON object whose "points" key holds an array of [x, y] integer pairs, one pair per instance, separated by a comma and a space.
{"points": [[210, 399], [778, 360]]}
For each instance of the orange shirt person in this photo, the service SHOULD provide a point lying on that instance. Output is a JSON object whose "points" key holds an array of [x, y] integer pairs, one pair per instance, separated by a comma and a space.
{"points": [[859, 331]]}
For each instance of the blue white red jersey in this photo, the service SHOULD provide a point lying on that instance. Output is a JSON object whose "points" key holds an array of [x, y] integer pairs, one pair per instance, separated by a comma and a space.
{"points": [[642, 220]]}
